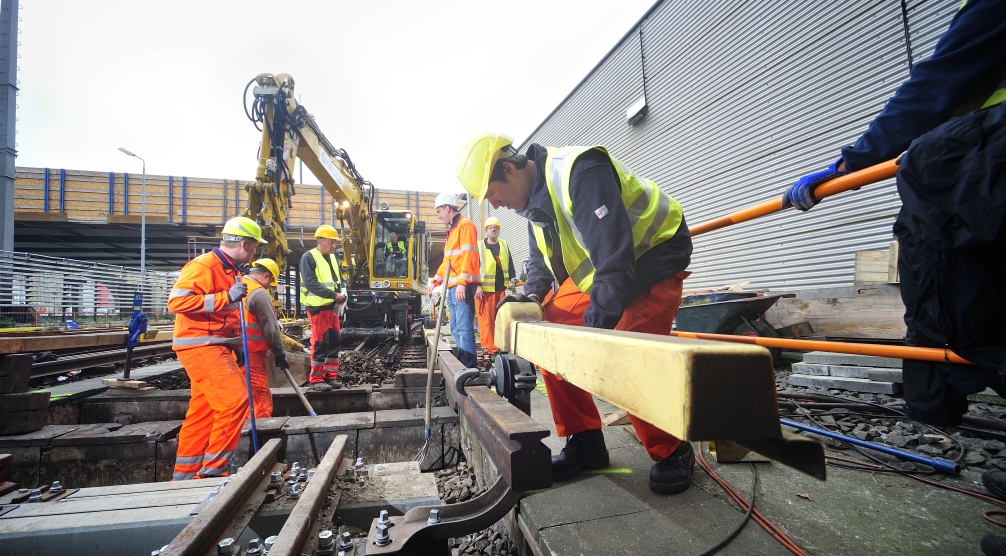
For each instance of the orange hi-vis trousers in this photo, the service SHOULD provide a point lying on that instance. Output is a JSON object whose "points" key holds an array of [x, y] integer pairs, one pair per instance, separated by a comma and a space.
{"points": [[261, 394], [652, 312], [486, 311], [217, 410], [326, 338]]}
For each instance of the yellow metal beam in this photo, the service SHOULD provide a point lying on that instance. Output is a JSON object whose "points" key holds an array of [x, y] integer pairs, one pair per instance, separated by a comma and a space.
{"points": [[693, 389]]}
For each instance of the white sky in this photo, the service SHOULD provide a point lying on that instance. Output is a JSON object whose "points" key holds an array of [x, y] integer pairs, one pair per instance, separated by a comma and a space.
{"points": [[400, 85]]}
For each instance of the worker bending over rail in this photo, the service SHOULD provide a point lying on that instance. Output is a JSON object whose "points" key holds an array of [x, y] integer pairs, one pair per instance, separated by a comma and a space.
{"points": [[617, 245], [497, 272], [207, 333], [263, 332], [461, 249], [322, 293]]}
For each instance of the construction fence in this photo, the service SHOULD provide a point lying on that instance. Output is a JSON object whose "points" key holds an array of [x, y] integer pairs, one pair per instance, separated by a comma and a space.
{"points": [[50, 292]]}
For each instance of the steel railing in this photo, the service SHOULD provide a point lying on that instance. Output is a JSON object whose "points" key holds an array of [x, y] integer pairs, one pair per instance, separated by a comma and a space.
{"points": [[46, 292]]}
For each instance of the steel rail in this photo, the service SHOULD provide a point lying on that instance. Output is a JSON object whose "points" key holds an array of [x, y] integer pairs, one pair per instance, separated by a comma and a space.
{"points": [[78, 361], [848, 182], [202, 534], [300, 524]]}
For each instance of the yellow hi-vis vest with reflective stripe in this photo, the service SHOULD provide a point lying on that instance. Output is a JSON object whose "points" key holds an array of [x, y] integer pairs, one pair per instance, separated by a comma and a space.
{"points": [[653, 214], [324, 275], [489, 266]]}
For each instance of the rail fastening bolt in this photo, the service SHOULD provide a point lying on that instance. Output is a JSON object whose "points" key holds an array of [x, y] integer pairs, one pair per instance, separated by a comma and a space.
{"points": [[56, 487], [268, 542], [36, 495], [434, 517], [254, 548], [295, 491], [226, 547], [275, 478], [383, 518], [346, 541], [383, 538], [326, 540]]}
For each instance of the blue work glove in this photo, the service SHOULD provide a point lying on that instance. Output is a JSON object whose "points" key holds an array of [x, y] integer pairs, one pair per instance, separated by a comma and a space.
{"points": [[801, 193]]}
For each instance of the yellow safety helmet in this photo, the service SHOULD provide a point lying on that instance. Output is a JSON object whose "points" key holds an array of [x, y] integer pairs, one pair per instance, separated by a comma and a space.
{"points": [[492, 221], [476, 160], [271, 266], [327, 232], [242, 227]]}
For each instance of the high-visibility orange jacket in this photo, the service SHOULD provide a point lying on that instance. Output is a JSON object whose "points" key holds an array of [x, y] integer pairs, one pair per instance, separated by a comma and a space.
{"points": [[260, 320], [462, 250], [204, 314]]}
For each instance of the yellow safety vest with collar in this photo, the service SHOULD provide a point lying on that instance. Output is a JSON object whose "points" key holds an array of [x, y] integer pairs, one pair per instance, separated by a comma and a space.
{"points": [[653, 214], [324, 275], [391, 247], [489, 266]]}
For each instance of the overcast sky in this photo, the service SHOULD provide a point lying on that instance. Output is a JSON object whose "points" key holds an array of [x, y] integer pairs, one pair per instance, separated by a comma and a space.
{"points": [[399, 85]]}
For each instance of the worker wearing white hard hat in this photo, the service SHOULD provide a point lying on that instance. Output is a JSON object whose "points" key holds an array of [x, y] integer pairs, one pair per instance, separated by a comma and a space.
{"points": [[461, 249]]}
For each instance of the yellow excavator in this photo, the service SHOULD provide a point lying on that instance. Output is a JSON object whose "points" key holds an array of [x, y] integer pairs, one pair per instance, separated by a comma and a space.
{"points": [[385, 278]]}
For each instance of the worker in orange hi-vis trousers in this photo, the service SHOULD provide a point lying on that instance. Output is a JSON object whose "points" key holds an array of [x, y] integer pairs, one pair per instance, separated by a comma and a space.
{"points": [[207, 331], [263, 332], [617, 246], [497, 272]]}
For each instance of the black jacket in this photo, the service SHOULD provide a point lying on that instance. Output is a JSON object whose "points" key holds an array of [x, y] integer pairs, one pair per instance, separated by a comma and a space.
{"points": [[593, 184]]}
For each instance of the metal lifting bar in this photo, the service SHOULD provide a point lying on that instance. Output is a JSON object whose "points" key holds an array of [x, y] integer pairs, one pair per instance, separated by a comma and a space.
{"points": [[848, 182]]}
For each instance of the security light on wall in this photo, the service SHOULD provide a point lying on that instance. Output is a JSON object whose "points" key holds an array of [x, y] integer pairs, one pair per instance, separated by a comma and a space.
{"points": [[635, 113]]}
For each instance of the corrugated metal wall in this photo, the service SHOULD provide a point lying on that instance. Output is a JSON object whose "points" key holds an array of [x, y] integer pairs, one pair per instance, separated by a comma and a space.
{"points": [[744, 97]]}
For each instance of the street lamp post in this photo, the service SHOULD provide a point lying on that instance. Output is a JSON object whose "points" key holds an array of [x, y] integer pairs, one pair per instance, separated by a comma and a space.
{"points": [[143, 213]]}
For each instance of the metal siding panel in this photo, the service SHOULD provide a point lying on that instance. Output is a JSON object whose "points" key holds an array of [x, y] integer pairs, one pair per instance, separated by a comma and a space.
{"points": [[745, 97]]}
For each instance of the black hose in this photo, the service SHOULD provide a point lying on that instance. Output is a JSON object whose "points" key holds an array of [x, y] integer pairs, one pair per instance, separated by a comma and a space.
{"points": [[744, 521]]}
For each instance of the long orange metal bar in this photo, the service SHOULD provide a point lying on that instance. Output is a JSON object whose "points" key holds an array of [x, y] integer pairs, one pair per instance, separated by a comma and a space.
{"points": [[854, 180], [901, 352]]}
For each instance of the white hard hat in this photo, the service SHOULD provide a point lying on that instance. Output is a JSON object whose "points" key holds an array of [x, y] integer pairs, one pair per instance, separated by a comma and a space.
{"points": [[447, 199]]}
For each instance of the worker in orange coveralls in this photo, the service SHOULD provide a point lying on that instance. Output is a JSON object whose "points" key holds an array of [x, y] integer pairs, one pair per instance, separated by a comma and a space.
{"points": [[617, 245], [497, 272], [207, 331], [263, 332]]}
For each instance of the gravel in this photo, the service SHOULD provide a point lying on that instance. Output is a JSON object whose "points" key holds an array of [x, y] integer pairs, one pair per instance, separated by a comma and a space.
{"points": [[459, 484]]}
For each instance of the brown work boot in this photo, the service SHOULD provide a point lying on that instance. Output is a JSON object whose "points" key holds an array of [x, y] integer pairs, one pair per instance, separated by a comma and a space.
{"points": [[320, 387], [335, 384]]}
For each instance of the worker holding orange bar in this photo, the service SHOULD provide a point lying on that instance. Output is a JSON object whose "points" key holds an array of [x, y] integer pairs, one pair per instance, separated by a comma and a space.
{"points": [[952, 225]]}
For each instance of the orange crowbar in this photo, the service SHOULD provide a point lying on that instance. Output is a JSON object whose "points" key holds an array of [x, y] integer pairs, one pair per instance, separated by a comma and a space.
{"points": [[901, 352], [841, 184]]}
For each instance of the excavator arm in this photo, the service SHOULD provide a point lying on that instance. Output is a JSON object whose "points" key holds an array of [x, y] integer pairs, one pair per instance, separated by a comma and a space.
{"points": [[289, 132]]}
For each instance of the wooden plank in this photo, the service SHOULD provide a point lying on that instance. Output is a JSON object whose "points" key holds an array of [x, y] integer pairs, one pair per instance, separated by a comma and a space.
{"points": [[28, 401], [120, 383], [23, 422], [15, 372], [620, 417], [871, 267], [865, 312], [892, 262]]}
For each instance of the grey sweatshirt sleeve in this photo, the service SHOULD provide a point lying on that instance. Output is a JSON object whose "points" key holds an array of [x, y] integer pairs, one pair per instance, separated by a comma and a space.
{"points": [[260, 304], [309, 278]]}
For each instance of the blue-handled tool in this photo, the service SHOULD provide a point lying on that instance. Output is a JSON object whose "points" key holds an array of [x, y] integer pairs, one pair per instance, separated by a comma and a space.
{"points": [[943, 466], [251, 399]]}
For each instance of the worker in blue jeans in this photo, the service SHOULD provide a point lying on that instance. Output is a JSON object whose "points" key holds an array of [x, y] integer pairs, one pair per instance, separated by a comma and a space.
{"points": [[949, 120]]}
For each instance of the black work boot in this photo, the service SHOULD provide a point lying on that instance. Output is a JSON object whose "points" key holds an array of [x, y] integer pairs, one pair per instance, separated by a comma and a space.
{"points": [[583, 450], [993, 545], [995, 483], [673, 474]]}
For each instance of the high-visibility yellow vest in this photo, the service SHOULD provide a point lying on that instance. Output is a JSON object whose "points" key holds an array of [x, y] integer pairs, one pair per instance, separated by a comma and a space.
{"points": [[489, 266], [653, 214], [324, 275], [400, 244]]}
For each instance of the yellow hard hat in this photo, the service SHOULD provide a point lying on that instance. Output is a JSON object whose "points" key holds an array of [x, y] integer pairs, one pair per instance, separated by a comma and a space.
{"points": [[327, 232], [476, 159], [492, 221], [271, 266], [243, 227]]}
